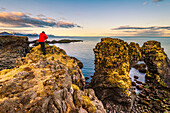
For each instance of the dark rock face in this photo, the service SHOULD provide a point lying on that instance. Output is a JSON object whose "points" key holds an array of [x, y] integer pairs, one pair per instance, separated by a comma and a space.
{"points": [[156, 60], [111, 80], [134, 53], [46, 84], [154, 97], [80, 64], [12, 47]]}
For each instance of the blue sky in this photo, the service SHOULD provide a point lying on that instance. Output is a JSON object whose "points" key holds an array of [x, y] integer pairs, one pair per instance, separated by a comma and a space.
{"points": [[87, 17]]}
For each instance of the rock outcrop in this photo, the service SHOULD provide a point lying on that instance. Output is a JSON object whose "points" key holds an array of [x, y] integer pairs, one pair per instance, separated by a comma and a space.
{"points": [[134, 53], [156, 60], [12, 47], [111, 80], [155, 96], [52, 83]]}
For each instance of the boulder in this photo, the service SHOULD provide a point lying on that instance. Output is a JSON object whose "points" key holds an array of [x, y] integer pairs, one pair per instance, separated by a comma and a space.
{"points": [[136, 77], [140, 87], [86, 78], [133, 84]]}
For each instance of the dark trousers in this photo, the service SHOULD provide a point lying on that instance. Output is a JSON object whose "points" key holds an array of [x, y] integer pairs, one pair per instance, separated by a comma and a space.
{"points": [[43, 47]]}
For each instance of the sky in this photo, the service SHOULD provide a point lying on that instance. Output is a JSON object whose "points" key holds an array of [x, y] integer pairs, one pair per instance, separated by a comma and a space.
{"points": [[87, 17]]}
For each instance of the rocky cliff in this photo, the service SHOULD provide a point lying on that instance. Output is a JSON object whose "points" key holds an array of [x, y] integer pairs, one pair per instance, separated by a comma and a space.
{"points": [[12, 47], [112, 83], [55, 83], [155, 95], [52, 83], [111, 80], [156, 60]]}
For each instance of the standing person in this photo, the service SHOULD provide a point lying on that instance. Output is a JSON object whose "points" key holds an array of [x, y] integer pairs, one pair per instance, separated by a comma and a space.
{"points": [[41, 40]]}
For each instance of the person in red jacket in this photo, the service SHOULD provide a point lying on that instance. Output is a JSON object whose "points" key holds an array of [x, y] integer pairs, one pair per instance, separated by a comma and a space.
{"points": [[41, 40]]}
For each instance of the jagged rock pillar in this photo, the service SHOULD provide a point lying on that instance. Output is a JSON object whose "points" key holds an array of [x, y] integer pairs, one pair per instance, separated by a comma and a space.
{"points": [[111, 80], [157, 61]]}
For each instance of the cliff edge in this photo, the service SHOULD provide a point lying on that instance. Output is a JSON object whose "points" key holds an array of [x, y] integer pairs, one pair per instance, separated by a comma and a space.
{"points": [[50, 83], [111, 80]]}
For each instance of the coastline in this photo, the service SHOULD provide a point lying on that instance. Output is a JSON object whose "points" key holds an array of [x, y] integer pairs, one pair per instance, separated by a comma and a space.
{"points": [[60, 74]]}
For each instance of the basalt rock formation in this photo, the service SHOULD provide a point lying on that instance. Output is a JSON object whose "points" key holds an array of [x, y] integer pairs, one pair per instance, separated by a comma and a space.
{"points": [[155, 96], [52, 83], [156, 60], [111, 80], [134, 53], [12, 47]]}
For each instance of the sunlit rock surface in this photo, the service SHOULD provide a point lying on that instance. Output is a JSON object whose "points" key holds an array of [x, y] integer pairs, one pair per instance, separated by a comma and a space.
{"points": [[111, 80], [12, 47], [52, 83]]}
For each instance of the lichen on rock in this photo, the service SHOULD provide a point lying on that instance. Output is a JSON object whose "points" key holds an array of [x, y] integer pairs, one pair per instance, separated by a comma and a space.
{"points": [[42, 83], [156, 59], [54, 54], [134, 53], [111, 80]]}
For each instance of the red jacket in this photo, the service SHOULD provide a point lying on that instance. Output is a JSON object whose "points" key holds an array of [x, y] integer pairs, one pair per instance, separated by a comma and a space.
{"points": [[42, 37]]}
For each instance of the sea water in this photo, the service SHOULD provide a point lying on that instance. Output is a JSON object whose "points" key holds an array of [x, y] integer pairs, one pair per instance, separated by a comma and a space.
{"points": [[84, 50]]}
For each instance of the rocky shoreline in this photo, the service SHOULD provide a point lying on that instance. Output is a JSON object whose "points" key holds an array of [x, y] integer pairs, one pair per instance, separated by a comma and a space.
{"points": [[35, 42], [54, 82], [112, 83]]}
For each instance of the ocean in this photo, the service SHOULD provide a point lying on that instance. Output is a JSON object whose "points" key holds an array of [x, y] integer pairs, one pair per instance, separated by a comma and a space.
{"points": [[84, 50]]}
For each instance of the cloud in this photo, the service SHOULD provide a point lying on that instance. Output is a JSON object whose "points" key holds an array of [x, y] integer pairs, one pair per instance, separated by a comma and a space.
{"points": [[19, 19], [2, 9], [141, 31], [141, 28], [14, 30], [158, 0], [130, 31], [150, 33]]}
